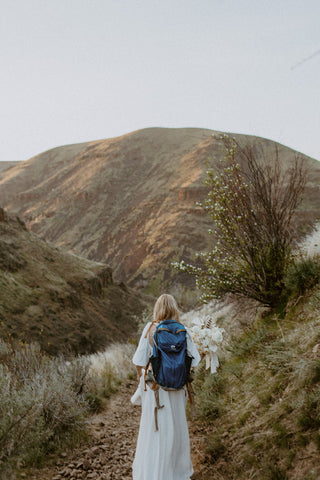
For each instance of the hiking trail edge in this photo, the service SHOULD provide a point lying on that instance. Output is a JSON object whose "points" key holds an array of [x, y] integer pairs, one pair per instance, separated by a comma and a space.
{"points": [[109, 453]]}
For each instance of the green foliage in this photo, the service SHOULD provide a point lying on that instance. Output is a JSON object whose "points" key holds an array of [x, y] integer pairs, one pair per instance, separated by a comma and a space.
{"points": [[251, 202], [302, 274]]}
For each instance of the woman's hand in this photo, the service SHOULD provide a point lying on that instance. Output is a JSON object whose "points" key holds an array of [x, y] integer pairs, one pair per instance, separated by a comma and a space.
{"points": [[139, 372]]}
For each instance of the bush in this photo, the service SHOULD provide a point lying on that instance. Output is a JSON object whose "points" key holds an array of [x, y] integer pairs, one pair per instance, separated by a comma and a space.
{"points": [[107, 370], [303, 274], [44, 401], [39, 403], [252, 201]]}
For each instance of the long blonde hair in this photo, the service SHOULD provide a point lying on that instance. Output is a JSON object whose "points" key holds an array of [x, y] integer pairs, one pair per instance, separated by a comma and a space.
{"points": [[166, 308]]}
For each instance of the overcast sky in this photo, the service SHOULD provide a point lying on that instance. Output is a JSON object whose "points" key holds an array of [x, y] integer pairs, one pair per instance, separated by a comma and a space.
{"points": [[79, 70]]}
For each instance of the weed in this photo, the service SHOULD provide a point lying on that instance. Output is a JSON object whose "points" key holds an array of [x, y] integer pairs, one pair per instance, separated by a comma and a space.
{"points": [[215, 447], [235, 368], [306, 373], [302, 439], [309, 409], [39, 403], [281, 435], [249, 342], [208, 389], [273, 472], [277, 356], [244, 417], [303, 274]]}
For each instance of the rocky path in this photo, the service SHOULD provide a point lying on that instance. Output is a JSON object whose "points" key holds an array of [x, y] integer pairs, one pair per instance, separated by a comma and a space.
{"points": [[110, 452]]}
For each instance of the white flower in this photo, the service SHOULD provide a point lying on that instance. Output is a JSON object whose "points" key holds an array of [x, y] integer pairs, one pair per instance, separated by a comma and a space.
{"points": [[206, 335]]}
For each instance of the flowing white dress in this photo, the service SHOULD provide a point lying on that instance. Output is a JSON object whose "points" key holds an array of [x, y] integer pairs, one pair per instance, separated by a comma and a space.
{"points": [[162, 454]]}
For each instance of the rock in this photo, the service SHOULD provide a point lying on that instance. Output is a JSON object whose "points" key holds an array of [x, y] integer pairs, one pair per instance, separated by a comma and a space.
{"points": [[3, 215]]}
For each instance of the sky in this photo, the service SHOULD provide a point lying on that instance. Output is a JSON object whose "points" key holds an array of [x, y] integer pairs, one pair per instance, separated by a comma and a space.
{"points": [[80, 70]]}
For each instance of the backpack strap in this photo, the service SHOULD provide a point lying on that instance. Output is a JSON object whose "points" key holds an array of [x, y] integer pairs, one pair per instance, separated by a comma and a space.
{"points": [[148, 364], [158, 406], [150, 326], [145, 374]]}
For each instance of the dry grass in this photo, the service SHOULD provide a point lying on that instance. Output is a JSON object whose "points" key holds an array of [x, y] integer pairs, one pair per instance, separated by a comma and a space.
{"points": [[44, 402], [263, 405]]}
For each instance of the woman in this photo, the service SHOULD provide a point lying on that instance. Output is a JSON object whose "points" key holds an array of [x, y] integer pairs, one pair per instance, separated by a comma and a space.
{"points": [[163, 450]]}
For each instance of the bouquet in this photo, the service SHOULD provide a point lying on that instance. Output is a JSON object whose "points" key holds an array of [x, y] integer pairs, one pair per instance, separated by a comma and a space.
{"points": [[207, 337]]}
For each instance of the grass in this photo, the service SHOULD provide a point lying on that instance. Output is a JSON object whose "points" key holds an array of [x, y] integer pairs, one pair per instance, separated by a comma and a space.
{"points": [[266, 398], [45, 401]]}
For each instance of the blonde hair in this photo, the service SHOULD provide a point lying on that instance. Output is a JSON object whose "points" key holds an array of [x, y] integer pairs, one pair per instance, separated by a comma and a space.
{"points": [[166, 309]]}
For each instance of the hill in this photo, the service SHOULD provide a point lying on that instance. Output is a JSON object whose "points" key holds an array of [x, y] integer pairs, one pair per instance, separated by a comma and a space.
{"points": [[4, 165], [62, 301], [259, 413], [131, 201]]}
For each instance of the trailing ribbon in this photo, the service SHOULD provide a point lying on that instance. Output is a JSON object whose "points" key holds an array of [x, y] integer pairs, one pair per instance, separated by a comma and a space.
{"points": [[212, 361]]}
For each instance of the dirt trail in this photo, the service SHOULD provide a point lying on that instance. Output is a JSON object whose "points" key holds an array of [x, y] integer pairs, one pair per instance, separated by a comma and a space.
{"points": [[110, 451]]}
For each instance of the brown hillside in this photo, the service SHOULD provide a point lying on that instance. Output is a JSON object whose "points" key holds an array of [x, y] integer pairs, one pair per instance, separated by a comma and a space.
{"points": [[4, 165], [129, 201], [62, 301]]}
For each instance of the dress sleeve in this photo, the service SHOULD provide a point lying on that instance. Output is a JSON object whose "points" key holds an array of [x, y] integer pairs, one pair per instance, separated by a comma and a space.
{"points": [[142, 354], [192, 349]]}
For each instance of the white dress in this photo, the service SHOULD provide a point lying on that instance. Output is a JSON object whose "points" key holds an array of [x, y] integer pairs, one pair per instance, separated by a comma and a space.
{"points": [[162, 454]]}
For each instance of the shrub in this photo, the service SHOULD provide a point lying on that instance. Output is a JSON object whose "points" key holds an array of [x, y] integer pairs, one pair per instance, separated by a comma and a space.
{"points": [[107, 370], [39, 403], [303, 274], [44, 401]]}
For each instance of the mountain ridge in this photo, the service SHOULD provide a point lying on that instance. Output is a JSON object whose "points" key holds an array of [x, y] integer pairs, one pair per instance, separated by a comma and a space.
{"points": [[130, 201]]}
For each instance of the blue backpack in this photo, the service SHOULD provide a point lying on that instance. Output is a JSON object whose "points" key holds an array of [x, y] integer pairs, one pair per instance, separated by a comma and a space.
{"points": [[170, 362]]}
